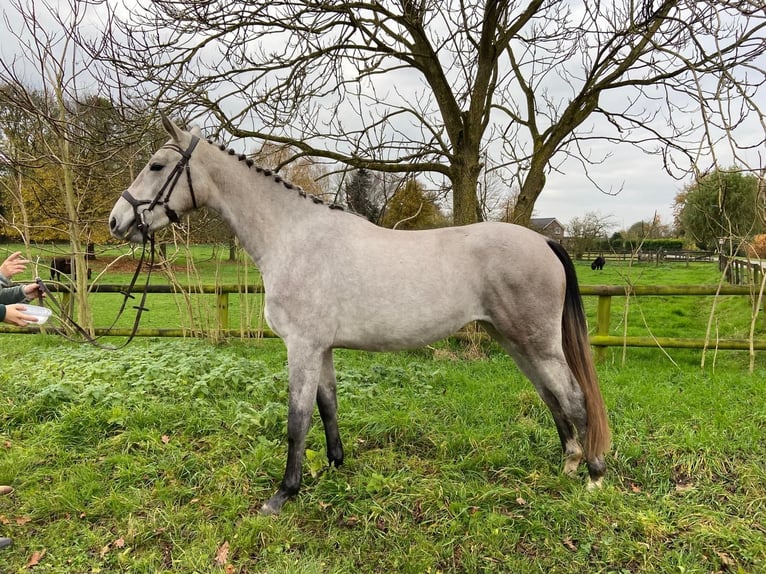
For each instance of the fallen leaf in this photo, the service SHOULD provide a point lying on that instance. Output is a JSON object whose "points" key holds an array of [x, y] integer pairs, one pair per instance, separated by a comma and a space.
{"points": [[22, 520], [727, 561], [7, 444], [119, 543], [222, 555], [570, 544], [229, 569], [521, 502], [349, 522], [635, 488], [4, 519], [105, 550], [165, 439], [34, 560]]}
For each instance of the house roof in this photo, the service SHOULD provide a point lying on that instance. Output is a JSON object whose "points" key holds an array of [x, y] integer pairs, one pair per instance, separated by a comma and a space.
{"points": [[544, 222]]}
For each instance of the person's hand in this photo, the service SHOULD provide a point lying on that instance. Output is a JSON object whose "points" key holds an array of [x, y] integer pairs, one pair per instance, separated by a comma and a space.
{"points": [[14, 314], [13, 265], [32, 291]]}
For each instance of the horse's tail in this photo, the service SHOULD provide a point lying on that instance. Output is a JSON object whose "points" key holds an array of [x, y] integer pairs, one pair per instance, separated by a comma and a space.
{"points": [[574, 332]]}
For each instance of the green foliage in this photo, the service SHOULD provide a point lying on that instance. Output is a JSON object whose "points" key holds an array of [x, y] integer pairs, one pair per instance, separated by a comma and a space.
{"points": [[155, 458], [106, 145], [618, 243], [721, 204], [412, 208], [360, 197]]}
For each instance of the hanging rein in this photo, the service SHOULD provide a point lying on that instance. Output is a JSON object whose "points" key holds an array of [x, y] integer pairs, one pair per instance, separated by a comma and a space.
{"points": [[162, 199]]}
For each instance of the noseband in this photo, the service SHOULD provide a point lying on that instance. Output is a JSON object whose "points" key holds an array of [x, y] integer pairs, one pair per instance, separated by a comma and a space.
{"points": [[163, 195]]}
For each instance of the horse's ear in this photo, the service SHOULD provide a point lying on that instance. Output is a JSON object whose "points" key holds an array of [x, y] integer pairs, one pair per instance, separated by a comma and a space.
{"points": [[171, 128], [195, 131]]}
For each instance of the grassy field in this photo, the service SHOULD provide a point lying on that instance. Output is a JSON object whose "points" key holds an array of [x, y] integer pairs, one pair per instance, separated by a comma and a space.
{"points": [[155, 458]]}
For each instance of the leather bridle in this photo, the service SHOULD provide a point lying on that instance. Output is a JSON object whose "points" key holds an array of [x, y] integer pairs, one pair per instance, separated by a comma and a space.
{"points": [[162, 198]]}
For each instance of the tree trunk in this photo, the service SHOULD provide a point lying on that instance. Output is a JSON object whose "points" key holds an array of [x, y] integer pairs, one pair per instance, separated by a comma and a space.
{"points": [[530, 190], [465, 178], [80, 267]]}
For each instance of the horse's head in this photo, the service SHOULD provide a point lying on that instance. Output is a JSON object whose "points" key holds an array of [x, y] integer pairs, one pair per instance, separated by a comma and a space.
{"points": [[162, 192]]}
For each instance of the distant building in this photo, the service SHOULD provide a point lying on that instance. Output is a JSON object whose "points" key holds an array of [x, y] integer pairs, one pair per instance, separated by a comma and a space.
{"points": [[548, 226]]}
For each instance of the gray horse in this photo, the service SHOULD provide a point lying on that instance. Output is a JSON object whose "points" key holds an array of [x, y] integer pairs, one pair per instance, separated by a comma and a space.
{"points": [[335, 280]]}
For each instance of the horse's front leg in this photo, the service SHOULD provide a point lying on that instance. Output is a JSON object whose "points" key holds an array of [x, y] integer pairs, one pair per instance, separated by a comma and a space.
{"points": [[327, 402], [305, 368]]}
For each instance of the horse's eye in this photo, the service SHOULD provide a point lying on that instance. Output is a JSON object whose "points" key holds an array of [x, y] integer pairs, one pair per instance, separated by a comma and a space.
{"points": [[156, 167]]}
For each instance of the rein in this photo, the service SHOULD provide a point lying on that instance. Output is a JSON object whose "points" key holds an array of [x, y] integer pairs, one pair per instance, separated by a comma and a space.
{"points": [[127, 294], [162, 199]]}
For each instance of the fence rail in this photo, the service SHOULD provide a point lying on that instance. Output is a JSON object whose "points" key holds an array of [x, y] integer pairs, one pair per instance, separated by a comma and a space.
{"points": [[600, 340], [658, 256]]}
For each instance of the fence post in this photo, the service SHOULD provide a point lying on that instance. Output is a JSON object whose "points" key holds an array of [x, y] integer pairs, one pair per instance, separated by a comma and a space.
{"points": [[223, 310], [603, 312]]}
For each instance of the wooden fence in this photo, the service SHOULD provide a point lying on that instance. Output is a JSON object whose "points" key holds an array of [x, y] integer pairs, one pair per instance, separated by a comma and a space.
{"points": [[600, 339], [739, 271], [657, 257]]}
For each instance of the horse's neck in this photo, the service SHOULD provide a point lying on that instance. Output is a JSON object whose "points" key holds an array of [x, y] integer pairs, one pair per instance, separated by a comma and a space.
{"points": [[265, 215]]}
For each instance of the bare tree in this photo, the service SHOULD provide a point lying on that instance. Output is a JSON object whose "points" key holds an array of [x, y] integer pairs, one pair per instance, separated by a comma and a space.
{"points": [[430, 87], [75, 149], [584, 232]]}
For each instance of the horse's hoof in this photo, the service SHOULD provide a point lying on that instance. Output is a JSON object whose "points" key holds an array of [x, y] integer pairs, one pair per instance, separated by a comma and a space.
{"points": [[595, 484], [269, 510], [274, 505], [573, 458], [571, 465]]}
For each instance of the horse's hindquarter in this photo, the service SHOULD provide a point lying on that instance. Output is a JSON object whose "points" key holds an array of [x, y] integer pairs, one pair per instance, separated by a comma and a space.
{"points": [[377, 289]]}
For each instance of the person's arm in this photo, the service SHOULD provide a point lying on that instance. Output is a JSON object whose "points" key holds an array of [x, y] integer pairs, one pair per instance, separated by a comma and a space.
{"points": [[15, 294]]}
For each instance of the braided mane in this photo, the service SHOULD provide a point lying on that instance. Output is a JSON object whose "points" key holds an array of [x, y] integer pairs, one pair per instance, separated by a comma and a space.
{"points": [[275, 176]]}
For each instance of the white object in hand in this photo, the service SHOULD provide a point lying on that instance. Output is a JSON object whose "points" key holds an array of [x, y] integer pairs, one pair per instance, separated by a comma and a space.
{"points": [[40, 313]]}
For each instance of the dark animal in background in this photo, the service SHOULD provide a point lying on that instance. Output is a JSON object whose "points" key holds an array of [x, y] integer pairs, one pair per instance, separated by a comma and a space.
{"points": [[598, 263], [63, 266]]}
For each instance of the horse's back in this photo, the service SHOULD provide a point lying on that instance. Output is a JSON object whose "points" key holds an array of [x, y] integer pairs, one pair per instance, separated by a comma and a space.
{"points": [[385, 289]]}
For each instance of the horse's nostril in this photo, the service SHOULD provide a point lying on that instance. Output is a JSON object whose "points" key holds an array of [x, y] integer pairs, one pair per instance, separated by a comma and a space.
{"points": [[112, 223]]}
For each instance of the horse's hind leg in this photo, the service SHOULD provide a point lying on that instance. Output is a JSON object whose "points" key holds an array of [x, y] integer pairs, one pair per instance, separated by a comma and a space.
{"points": [[554, 382], [328, 409]]}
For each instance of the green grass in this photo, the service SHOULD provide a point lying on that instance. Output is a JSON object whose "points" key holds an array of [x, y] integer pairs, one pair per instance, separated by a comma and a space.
{"points": [[670, 316], [151, 458], [156, 457]]}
